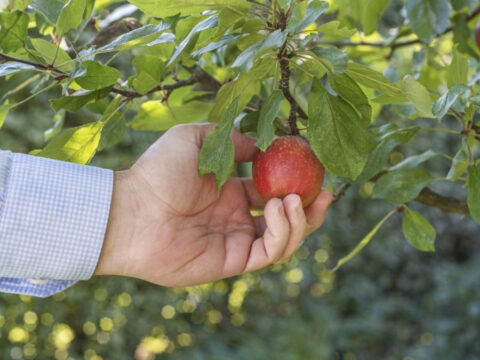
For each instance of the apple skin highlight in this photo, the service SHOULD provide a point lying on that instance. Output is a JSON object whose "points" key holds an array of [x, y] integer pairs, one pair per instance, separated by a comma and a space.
{"points": [[288, 166]]}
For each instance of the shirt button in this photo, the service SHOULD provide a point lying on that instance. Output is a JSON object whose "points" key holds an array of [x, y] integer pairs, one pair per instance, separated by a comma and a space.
{"points": [[38, 281]]}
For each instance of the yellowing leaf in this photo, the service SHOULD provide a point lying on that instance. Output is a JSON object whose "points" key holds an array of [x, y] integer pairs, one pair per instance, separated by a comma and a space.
{"points": [[158, 116], [77, 144], [164, 8]]}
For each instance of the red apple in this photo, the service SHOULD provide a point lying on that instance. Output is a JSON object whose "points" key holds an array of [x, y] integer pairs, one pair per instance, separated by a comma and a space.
{"points": [[288, 166]]}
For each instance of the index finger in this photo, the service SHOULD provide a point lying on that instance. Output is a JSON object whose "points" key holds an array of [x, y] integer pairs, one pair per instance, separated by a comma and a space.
{"points": [[317, 210]]}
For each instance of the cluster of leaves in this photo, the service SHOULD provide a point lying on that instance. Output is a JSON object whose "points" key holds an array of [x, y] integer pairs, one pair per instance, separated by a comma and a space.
{"points": [[327, 70]]}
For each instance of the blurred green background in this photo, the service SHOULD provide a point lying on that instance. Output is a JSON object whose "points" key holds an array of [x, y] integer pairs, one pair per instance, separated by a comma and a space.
{"points": [[389, 302]]}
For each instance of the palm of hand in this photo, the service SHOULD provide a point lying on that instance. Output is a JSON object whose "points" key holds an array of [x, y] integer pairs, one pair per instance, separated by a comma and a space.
{"points": [[171, 226], [189, 225]]}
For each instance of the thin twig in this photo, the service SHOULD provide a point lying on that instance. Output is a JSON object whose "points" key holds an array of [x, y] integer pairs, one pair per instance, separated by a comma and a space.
{"points": [[197, 76], [395, 45]]}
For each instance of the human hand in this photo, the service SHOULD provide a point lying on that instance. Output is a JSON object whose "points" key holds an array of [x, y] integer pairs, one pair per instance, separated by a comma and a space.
{"points": [[172, 227]]}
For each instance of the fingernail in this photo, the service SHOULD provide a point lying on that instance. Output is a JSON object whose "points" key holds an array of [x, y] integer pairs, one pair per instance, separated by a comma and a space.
{"points": [[296, 202]]}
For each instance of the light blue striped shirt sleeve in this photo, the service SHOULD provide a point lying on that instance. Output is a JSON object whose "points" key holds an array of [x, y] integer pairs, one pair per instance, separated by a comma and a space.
{"points": [[53, 218]]}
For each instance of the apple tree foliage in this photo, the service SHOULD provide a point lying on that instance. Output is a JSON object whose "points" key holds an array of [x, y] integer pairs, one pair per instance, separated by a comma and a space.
{"points": [[332, 71]]}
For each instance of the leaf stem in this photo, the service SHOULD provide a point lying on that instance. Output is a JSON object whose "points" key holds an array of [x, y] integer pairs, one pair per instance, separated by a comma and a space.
{"points": [[51, 85], [364, 242]]}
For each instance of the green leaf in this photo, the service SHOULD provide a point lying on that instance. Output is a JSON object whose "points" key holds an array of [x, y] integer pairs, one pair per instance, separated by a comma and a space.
{"points": [[301, 19], [312, 66], [333, 29], [212, 46], [374, 80], [460, 4], [415, 160], [58, 121], [77, 144], [389, 139], [146, 35], [149, 73], [13, 30], [333, 59], [3, 113], [113, 131], [165, 8], [74, 102], [402, 185], [457, 71], [372, 12], [419, 96], [10, 68], [418, 231], [473, 193], [348, 89], [428, 17], [159, 116], [460, 163], [249, 122], [71, 16], [446, 101], [52, 54], [227, 18], [268, 113], [187, 43], [462, 36], [114, 124], [50, 9], [95, 76], [245, 59], [336, 133], [364, 242], [217, 155], [244, 87]]}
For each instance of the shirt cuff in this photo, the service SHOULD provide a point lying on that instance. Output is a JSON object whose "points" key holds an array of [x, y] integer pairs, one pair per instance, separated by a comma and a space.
{"points": [[53, 218]]}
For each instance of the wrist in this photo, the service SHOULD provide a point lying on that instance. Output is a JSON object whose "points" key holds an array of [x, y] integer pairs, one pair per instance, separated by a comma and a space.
{"points": [[115, 249]]}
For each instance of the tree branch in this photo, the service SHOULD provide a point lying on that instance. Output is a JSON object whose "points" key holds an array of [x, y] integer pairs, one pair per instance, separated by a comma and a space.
{"points": [[445, 203], [198, 75], [285, 88], [283, 58], [48, 67], [393, 46], [427, 197]]}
